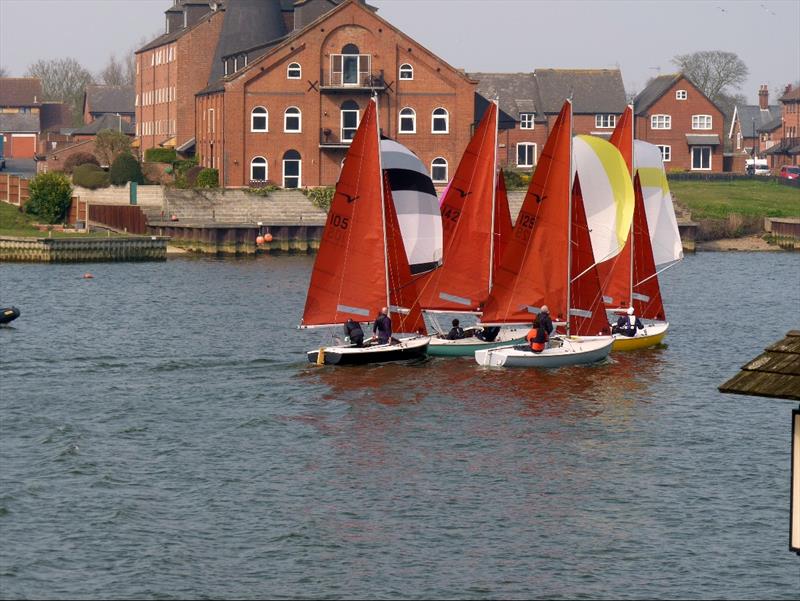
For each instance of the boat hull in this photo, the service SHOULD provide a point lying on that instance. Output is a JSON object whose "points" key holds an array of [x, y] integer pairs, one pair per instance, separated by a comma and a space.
{"points": [[466, 347], [405, 350], [650, 336], [573, 351], [8, 314]]}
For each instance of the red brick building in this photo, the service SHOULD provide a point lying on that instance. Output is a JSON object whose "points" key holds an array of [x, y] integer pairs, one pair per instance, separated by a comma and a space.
{"points": [[530, 103], [674, 114], [171, 69], [20, 106], [288, 115], [786, 147], [752, 128]]}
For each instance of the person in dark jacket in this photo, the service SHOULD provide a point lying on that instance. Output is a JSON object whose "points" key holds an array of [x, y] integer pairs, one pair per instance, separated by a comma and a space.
{"points": [[383, 326], [488, 333], [353, 332], [537, 336], [456, 332], [545, 321], [627, 325]]}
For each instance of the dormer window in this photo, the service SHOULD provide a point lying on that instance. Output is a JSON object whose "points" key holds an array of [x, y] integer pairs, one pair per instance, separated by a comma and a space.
{"points": [[406, 71], [681, 95], [293, 71]]}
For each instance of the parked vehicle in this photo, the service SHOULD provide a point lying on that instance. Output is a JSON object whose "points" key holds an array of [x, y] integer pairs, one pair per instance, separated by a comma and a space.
{"points": [[757, 167], [2, 162], [790, 172]]}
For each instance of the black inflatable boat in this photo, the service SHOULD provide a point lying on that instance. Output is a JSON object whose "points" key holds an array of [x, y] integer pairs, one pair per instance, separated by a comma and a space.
{"points": [[8, 314]]}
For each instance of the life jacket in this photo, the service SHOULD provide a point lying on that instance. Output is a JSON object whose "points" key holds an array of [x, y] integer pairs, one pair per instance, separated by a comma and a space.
{"points": [[532, 335]]}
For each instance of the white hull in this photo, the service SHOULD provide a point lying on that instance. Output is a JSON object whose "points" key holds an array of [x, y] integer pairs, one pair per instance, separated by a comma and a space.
{"points": [[413, 347], [572, 351]]}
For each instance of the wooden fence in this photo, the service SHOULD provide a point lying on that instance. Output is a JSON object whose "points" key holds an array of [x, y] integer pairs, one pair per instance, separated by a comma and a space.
{"points": [[14, 189]]}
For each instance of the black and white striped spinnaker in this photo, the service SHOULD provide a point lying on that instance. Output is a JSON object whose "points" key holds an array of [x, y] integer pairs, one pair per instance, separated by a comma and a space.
{"points": [[416, 204]]}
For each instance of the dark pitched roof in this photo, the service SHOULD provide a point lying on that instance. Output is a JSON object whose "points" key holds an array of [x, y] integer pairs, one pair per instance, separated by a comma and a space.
{"points": [[771, 125], [515, 93], [790, 95], [774, 373], [170, 37], [20, 91], [105, 122], [592, 90], [750, 114], [19, 122], [110, 99], [654, 90]]}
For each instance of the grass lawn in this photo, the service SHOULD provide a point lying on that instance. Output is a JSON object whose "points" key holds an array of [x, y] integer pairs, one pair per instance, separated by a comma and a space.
{"points": [[749, 198], [15, 223]]}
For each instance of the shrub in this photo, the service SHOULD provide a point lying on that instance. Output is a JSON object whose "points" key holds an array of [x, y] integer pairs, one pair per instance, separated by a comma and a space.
{"points": [[207, 178], [108, 144], [79, 158], [514, 179], [124, 169], [190, 177], [321, 197], [50, 196], [90, 176], [160, 155]]}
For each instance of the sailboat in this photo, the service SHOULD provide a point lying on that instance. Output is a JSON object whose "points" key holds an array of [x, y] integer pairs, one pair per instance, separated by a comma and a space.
{"points": [[631, 279], [549, 260], [362, 264], [476, 222]]}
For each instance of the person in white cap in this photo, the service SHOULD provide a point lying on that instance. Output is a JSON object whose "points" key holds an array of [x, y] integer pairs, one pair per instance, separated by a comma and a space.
{"points": [[545, 321], [628, 324]]}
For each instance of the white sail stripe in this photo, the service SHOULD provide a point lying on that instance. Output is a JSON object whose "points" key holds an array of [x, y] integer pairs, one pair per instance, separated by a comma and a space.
{"points": [[580, 313], [413, 202], [356, 310], [459, 300], [640, 297]]}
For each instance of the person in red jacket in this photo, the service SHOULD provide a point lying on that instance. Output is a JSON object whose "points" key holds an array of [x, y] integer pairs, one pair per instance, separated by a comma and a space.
{"points": [[537, 336]]}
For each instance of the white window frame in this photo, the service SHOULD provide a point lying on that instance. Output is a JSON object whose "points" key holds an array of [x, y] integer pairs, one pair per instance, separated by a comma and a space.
{"points": [[702, 122], [446, 118], [605, 121], [661, 121], [406, 72], [353, 129], [710, 156], [299, 175], [526, 120], [299, 116], [533, 152], [666, 152], [265, 164], [293, 67], [446, 170], [681, 95], [253, 115], [412, 116]]}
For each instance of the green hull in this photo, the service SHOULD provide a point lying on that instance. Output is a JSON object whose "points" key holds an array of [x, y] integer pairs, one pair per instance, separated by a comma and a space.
{"points": [[457, 348]]}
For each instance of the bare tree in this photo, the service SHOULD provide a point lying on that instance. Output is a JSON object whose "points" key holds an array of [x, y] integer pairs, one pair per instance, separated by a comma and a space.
{"points": [[113, 74], [63, 79], [108, 144], [713, 71]]}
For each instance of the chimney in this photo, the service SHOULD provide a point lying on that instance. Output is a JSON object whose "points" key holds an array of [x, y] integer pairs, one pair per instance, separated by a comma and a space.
{"points": [[763, 97]]}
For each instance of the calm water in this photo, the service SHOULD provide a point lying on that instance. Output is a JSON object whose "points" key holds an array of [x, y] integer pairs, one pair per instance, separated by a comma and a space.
{"points": [[162, 436]]}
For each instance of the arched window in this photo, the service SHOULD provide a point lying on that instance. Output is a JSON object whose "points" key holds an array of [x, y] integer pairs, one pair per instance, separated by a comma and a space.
{"points": [[292, 165], [439, 170], [350, 49], [258, 119], [440, 121], [349, 120], [406, 71], [408, 121], [293, 71], [292, 120], [258, 169]]}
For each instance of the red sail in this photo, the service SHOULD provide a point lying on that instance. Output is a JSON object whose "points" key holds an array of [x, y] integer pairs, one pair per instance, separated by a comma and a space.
{"points": [[462, 282], [502, 221], [349, 276], [615, 274], [402, 289], [646, 291], [587, 314], [533, 269]]}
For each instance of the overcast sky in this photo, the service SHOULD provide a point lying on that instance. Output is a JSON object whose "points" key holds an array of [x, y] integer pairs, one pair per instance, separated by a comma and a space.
{"points": [[640, 37]]}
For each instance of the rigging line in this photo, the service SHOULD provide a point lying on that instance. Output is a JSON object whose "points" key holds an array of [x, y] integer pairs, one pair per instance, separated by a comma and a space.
{"points": [[673, 264]]}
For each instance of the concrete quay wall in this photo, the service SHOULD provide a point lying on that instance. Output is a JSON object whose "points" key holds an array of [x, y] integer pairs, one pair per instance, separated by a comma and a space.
{"points": [[77, 250]]}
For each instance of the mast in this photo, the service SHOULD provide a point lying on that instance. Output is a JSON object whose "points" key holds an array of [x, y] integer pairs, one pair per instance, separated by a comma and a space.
{"points": [[494, 193], [569, 217], [630, 231], [383, 204]]}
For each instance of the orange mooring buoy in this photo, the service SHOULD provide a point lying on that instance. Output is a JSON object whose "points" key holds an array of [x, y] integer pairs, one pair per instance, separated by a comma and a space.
{"points": [[267, 237], [87, 276], [259, 239]]}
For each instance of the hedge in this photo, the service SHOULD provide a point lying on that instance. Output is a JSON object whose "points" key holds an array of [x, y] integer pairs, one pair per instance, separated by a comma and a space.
{"points": [[90, 176], [124, 169], [208, 178], [79, 158], [160, 155]]}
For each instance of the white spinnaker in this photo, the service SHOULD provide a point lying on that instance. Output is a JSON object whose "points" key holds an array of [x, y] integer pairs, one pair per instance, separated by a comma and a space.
{"points": [[607, 192], [661, 220], [416, 204]]}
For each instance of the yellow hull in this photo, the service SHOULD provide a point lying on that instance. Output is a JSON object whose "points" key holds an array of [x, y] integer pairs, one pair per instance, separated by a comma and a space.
{"points": [[623, 343]]}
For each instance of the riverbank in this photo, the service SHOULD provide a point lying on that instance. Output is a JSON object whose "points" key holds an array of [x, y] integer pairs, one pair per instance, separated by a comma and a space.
{"points": [[745, 243]]}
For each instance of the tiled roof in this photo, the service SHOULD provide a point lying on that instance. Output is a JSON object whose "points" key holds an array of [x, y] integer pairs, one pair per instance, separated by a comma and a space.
{"points": [[592, 90], [170, 37], [775, 373], [771, 125], [20, 91], [515, 92], [653, 91], [110, 99], [19, 123], [792, 95], [748, 114], [105, 122]]}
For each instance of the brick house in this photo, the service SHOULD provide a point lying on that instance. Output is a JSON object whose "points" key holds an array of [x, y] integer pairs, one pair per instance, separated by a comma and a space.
{"points": [[672, 113], [286, 112], [749, 124], [786, 147], [20, 104], [170, 70], [530, 102], [109, 100]]}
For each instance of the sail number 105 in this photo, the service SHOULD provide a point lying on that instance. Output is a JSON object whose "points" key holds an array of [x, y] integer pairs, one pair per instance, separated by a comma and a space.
{"points": [[339, 221]]}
